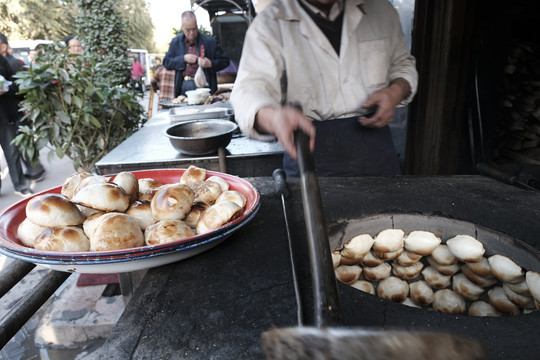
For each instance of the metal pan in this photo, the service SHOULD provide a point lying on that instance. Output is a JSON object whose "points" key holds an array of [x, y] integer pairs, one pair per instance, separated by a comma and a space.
{"points": [[201, 137]]}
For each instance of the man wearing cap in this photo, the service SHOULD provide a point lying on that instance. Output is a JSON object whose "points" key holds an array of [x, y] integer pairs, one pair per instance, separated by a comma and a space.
{"points": [[185, 56]]}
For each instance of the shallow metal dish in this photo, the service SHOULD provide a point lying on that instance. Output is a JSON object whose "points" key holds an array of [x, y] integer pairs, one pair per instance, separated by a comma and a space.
{"points": [[201, 137]]}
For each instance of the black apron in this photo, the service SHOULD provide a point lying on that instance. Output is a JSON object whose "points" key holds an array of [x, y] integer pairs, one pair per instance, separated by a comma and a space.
{"points": [[343, 147]]}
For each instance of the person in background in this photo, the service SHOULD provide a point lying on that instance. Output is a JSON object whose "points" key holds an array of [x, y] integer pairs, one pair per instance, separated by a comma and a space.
{"points": [[137, 72], [163, 81], [8, 131], [315, 65], [184, 56], [34, 173], [157, 64], [74, 45]]}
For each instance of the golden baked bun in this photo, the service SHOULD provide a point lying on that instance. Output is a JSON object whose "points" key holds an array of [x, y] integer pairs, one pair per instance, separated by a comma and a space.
{"points": [[192, 175], [197, 209], [167, 231], [234, 196], [102, 196], [146, 184], [129, 183], [72, 182], [50, 210], [28, 231], [217, 215], [114, 231], [90, 223], [221, 181], [207, 191], [142, 212], [172, 202], [64, 238], [147, 195], [94, 179]]}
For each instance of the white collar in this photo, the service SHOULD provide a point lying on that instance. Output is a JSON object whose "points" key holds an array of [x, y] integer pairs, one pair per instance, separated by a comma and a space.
{"points": [[335, 10]]}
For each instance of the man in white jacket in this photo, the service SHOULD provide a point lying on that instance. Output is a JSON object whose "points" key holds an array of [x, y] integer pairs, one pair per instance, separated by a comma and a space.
{"points": [[334, 58]]}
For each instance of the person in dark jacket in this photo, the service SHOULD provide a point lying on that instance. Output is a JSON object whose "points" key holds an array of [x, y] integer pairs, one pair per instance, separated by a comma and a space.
{"points": [[8, 131], [37, 172], [184, 57]]}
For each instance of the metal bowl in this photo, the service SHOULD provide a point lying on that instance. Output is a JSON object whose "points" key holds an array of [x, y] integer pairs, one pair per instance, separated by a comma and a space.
{"points": [[201, 137]]}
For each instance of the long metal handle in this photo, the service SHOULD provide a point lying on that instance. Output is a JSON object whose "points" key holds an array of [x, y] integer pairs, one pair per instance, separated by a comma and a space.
{"points": [[328, 309], [282, 191]]}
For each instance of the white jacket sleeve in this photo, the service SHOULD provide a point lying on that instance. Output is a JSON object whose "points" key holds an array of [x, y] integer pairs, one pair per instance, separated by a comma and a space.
{"points": [[256, 84]]}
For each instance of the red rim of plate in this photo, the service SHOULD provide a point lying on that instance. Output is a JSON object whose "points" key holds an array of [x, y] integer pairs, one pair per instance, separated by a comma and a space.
{"points": [[12, 216]]}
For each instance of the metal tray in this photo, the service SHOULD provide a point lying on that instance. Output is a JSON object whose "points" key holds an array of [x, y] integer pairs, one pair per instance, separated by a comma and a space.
{"points": [[196, 113]]}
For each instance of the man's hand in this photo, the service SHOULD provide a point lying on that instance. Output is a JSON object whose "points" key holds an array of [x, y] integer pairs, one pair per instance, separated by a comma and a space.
{"points": [[283, 122], [190, 58], [387, 99], [205, 62]]}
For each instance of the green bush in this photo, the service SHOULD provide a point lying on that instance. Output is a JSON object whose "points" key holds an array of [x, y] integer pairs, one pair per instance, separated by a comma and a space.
{"points": [[71, 108]]}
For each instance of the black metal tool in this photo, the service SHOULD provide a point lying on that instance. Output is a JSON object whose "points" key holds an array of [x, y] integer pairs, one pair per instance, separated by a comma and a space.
{"points": [[489, 170], [328, 310], [282, 191]]}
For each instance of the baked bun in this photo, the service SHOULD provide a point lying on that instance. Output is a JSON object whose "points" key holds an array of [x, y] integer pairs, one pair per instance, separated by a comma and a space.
{"points": [[221, 181], [393, 289], [50, 210], [421, 293], [358, 247], [499, 300], [90, 223], [64, 238], [146, 184], [407, 258], [114, 231], [129, 183], [167, 231], [506, 269], [234, 196], [217, 215], [532, 279], [379, 272], [407, 272], [197, 209], [443, 269], [448, 301], [103, 196], [94, 179], [28, 231], [192, 175], [466, 288], [442, 255], [147, 195], [364, 286], [466, 248], [421, 242], [388, 241], [482, 308], [435, 278], [142, 212], [172, 202], [348, 274], [207, 191], [71, 183]]}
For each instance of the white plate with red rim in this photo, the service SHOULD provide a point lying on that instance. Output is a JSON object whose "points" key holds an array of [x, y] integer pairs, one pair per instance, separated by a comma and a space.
{"points": [[132, 259]]}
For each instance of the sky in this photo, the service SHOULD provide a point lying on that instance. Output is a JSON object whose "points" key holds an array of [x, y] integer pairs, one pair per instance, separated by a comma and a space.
{"points": [[166, 16]]}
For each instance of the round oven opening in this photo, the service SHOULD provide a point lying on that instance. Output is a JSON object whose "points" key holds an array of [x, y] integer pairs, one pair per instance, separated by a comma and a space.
{"points": [[437, 263]]}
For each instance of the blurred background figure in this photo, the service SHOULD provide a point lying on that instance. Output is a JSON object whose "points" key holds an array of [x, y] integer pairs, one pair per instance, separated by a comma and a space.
{"points": [[163, 82], [137, 72], [73, 44], [35, 173], [8, 131]]}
